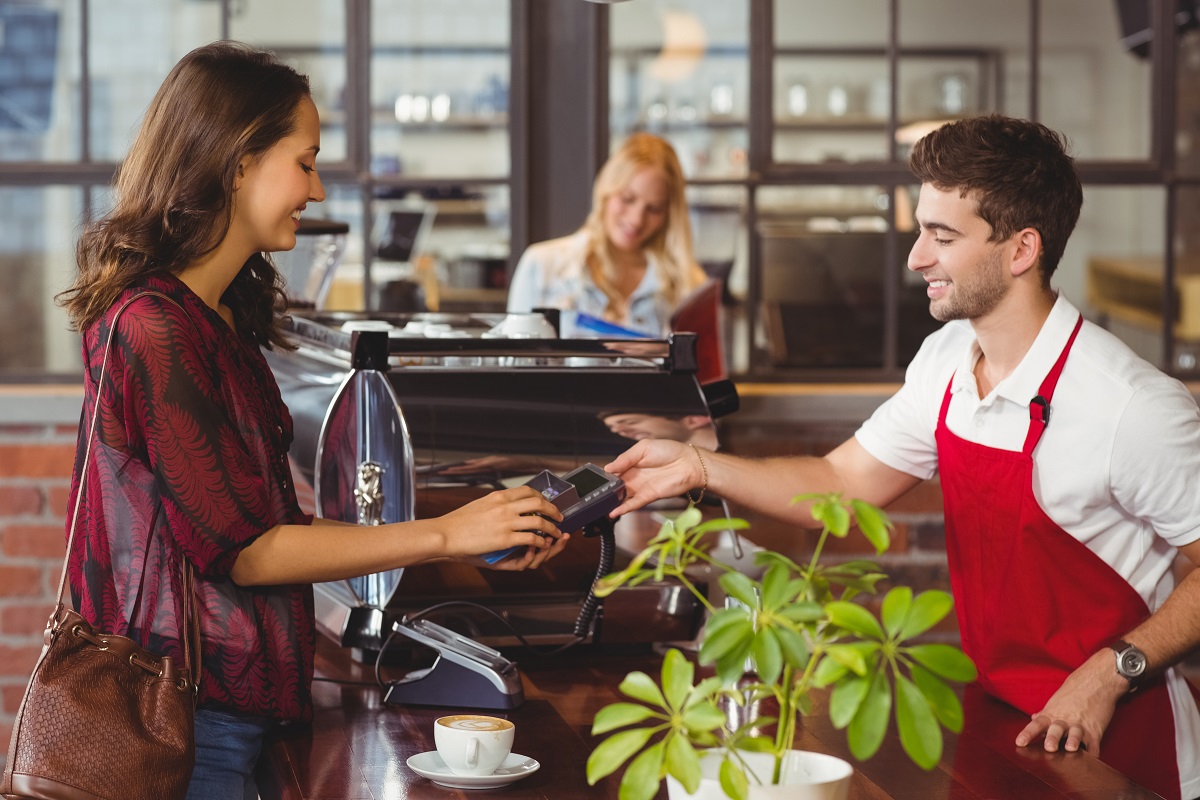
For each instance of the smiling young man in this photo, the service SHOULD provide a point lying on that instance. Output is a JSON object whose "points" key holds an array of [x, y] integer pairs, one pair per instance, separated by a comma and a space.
{"points": [[1067, 465]]}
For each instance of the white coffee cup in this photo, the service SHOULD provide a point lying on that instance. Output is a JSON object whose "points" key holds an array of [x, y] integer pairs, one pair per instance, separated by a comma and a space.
{"points": [[473, 744]]}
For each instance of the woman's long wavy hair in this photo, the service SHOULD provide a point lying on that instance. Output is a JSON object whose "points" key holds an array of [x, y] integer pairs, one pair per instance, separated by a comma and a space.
{"points": [[671, 245], [222, 103]]}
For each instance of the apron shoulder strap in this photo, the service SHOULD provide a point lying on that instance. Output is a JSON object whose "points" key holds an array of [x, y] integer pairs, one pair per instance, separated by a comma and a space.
{"points": [[1039, 406]]}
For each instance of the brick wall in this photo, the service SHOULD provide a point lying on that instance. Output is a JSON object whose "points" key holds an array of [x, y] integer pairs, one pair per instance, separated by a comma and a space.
{"points": [[35, 473]]}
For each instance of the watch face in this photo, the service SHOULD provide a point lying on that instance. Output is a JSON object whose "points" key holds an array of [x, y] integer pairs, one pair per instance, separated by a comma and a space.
{"points": [[1131, 662]]}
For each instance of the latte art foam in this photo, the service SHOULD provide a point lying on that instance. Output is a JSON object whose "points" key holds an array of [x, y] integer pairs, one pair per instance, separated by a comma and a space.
{"points": [[466, 722]]}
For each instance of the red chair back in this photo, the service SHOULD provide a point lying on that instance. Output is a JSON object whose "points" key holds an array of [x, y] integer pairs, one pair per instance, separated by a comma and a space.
{"points": [[700, 313]]}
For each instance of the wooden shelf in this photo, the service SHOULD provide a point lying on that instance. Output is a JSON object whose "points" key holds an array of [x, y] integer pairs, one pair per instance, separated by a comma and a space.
{"points": [[1130, 289]]}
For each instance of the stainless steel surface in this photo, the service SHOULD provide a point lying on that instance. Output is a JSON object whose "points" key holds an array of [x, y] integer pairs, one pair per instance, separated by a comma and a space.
{"points": [[364, 426]]}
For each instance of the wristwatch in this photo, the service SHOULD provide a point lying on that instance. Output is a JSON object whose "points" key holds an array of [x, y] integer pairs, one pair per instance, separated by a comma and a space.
{"points": [[1131, 662]]}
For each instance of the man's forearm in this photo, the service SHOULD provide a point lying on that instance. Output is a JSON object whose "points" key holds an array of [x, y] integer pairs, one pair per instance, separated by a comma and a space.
{"points": [[768, 485], [1174, 630]]}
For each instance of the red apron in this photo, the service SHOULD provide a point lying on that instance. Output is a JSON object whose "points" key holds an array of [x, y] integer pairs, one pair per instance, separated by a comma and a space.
{"points": [[1033, 602]]}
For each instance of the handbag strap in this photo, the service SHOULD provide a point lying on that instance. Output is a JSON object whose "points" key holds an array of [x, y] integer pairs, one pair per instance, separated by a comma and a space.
{"points": [[191, 632]]}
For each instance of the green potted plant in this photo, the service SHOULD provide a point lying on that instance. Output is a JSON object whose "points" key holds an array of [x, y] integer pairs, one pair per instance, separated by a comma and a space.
{"points": [[800, 631]]}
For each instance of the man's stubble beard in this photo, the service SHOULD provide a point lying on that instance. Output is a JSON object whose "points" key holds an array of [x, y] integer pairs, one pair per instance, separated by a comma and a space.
{"points": [[976, 296]]}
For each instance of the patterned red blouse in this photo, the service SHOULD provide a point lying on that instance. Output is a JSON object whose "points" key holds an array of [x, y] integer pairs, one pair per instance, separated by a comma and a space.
{"points": [[190, 461]]}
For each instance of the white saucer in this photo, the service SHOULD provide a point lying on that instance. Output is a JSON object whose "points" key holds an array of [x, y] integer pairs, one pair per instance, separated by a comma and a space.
{"points": [[513, 768]]}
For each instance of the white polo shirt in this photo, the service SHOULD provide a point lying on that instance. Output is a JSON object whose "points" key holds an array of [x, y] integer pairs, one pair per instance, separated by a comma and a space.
{"points": [[1118, 466]]}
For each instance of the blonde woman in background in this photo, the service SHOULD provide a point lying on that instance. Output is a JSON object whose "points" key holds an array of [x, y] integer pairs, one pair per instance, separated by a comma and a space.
{"points": [[631, 262]]}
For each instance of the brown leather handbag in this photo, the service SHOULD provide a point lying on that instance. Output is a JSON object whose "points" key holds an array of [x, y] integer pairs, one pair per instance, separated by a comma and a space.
{"points": [[102, 718]]}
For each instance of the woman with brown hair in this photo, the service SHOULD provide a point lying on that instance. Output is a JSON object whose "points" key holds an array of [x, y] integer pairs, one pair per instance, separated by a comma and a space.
{"points": [[189, 470], [631, 263]]}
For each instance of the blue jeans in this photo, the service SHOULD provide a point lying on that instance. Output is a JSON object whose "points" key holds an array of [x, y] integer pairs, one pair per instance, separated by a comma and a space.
{"points": [[227, 749]]}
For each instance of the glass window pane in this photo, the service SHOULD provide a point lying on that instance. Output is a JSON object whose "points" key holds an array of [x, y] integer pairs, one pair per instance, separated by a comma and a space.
{"points": [[467, 246], [1091, 87], [824, 257], [311, 38], [439, 88], [343, 203], [960, 59], [1113, 265], [831, 87], [39, 81], [437, 249], [680, 70], [37, 261], [124, 78]]}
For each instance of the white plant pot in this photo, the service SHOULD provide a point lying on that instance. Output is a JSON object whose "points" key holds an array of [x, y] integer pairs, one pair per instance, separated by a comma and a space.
{"points": [[805, 776]]}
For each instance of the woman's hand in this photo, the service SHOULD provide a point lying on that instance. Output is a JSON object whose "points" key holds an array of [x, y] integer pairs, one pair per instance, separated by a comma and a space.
{"points": [[503, 519], [531, 558]]}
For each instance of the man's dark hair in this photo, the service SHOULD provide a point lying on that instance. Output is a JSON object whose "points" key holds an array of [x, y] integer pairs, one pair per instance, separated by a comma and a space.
{"points": [[1019, 172]]}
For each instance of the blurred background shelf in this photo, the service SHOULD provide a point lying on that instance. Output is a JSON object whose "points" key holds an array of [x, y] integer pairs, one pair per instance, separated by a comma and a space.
{"points": [[1131, 289]]}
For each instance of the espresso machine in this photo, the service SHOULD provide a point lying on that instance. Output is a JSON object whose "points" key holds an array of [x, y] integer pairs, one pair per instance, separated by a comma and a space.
{"points": [[403, 416]]}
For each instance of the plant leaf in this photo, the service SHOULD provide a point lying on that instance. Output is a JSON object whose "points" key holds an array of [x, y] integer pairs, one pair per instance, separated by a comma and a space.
{"points": [[758, 744], [855, 618], [768, 657], [866, 730], [855, 568], [945, 661], [683, 763], [689, 518], [873, 523], [791, 643], [828, 671], [640, 781], [614, 751], [896, 605], [613, 581], [641, 686], [942, 699], [732, 666], [764, 558], [606, 585], [775, 586], [703, 717], [740, 587], [726, 616], [927, 610], [865, 584], [723, 524], [846, 698], [677, 676], [703, 691], [733, 780], [831, 513], [802, 612], [728, 638], [919, 731], [859, 657], [618, 715]]}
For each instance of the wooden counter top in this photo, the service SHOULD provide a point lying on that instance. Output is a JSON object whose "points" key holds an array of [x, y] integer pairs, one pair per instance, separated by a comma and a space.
{"points": [[356, 747]]}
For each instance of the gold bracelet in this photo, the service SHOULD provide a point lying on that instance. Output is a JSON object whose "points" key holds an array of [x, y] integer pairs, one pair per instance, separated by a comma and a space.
{"points": [[704, 471]]}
